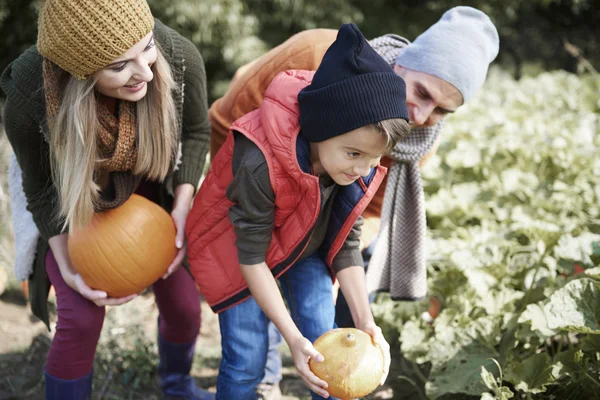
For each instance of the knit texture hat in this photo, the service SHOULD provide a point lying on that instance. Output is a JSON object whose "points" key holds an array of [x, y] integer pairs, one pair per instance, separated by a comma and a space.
{"points": [[83, 36], [458, 49], [353, 87]]}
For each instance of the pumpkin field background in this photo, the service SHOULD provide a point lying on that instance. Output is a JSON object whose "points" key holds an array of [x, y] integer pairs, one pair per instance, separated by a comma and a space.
{"points": [[513, 208], [514, 229]]}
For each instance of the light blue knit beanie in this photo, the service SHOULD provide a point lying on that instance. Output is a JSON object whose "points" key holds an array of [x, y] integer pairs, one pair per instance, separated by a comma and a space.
{"points": [[458, 49]]}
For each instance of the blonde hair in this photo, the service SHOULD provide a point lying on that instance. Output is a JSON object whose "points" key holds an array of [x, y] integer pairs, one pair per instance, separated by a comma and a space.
{"points": [[393, 130], [74, 133]]}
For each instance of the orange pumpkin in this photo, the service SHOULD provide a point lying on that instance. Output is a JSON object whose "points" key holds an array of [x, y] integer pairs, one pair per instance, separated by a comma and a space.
{"points": [[126, 249], [353, 365]]}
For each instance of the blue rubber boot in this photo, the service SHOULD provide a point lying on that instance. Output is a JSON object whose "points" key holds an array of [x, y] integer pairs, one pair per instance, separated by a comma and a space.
{"points": [[174, 372], [62, 389]]}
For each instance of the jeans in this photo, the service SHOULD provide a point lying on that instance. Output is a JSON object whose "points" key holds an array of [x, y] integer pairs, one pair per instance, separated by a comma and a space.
{"points": [[343, 317], [273, 367], [245, 333]]}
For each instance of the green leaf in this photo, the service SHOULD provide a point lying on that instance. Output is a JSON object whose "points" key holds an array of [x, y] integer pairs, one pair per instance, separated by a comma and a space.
{"points": [[447, 282], [591, 344], [596, 248], [569, 360], [536, 316], [489, 380], [414, 341], [577, 248], [575, 307], [457, 368], [500, 392], [593, 272], [505, 393], [501, 301], [533, 374]]}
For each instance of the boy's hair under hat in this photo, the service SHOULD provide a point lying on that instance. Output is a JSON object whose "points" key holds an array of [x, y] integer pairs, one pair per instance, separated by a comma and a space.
{"points": [[353, 87]]}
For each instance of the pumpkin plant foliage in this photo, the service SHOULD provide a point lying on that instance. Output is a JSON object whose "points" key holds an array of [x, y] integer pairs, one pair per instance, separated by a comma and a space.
{"points": [[513, 210]]}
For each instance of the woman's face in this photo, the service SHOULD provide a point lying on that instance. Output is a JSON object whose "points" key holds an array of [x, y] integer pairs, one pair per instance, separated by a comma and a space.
{"points": [[127, 77]]}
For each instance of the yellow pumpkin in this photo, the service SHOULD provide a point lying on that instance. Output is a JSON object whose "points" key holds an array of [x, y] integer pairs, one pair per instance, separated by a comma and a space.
{"points": [[126, 249], [353, 365]]}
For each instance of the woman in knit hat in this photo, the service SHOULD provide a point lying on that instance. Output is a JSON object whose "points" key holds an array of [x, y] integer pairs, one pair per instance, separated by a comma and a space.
{"points": [[94, 113], [283, 199]]}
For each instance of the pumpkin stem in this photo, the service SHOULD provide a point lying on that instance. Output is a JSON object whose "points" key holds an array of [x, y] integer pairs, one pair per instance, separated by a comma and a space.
{"points": [[350, 339]]}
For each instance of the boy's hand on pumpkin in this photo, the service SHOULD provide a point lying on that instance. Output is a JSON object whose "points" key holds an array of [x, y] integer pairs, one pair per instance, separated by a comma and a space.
{"points": [[302, 351], [377, 336]]}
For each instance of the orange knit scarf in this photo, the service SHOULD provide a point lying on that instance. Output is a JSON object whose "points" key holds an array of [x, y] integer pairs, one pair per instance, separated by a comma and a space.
{"points": [[116, 140]]}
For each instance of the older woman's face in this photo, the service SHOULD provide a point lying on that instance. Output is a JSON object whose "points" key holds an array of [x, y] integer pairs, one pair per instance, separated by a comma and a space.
{"points": [[428, 97], [127, 77]]}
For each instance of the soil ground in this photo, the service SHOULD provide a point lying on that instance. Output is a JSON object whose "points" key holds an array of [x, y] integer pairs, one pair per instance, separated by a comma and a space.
{"points": [[126, 356]]}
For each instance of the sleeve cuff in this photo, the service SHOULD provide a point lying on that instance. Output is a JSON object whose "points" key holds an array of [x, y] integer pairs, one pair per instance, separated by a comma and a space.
{"points": [[248, 259], [347, 258], [189, 174], [48, 229]]}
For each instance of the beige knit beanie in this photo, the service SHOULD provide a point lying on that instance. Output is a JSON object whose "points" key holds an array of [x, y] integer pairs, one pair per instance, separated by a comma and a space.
{"points": [[83, 36]]}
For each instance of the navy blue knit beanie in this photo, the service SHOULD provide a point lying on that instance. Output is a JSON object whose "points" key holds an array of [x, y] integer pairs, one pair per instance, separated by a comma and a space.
{"points": [[353, 87]]}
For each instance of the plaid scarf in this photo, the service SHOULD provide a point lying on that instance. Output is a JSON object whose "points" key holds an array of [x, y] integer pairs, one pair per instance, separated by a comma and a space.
{"points": [[398, 262]]}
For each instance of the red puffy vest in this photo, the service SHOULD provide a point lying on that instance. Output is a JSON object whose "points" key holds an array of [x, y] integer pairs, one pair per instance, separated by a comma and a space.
{"points": [[274, 128]]}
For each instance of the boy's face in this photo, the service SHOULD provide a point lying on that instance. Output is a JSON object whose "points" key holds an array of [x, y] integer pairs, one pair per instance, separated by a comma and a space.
{"points": [[347, 157]]}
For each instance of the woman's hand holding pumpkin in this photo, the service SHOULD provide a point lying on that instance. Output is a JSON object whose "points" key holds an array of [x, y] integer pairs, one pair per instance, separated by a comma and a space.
{"points": [[378, 339], [97, 297], [181, 208], [179, 216], [59, 246], [302, 351]]}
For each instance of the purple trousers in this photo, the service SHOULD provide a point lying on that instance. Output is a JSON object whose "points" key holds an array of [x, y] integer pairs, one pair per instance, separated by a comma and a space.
{"points": [[71, 354]]}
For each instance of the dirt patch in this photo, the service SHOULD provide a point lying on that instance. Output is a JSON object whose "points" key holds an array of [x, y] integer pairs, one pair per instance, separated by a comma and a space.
{"points": [[126, 357], [23, 348]]}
